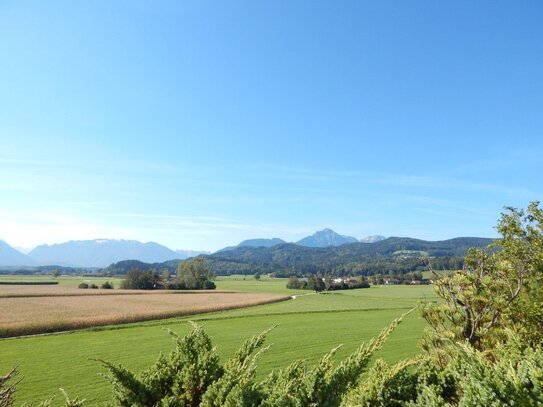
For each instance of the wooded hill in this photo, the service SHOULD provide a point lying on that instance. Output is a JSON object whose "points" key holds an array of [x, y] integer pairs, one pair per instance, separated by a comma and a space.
{"points": [[395, 255], [392, 255]]}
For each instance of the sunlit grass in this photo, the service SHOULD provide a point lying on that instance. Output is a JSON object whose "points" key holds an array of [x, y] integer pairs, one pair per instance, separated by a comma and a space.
{"points": [[308, 327]]}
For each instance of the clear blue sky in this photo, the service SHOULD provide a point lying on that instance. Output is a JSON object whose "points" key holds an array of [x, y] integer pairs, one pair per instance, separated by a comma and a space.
{"points": [[197, 124]]}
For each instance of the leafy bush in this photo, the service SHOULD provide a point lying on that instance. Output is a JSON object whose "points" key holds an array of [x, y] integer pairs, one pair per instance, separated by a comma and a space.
{"points": [[7, 390], [512, 377], [107, 286], [93, 286], [175, 285], [193, 376], [295, 284], [83, 285], [209, 285]]}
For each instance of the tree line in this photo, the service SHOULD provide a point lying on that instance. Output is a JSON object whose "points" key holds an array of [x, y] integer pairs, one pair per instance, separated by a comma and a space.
{"points": [[318, 284], [193, 274]]}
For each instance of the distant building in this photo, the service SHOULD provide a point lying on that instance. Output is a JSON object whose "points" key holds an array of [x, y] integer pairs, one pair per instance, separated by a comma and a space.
{"points": [[391, 281]]}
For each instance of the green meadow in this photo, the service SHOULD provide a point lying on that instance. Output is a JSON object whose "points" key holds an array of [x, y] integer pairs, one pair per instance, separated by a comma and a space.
{"points": [[306, 327]]}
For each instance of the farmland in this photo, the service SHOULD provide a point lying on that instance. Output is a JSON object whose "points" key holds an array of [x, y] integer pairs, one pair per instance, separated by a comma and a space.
{"points": [[67, 281], [39, 314], [308, 327]]}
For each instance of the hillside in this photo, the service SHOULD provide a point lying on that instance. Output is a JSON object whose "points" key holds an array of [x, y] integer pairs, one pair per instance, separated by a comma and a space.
{"points": [[393, 254], [122, 267], [254, 243]]}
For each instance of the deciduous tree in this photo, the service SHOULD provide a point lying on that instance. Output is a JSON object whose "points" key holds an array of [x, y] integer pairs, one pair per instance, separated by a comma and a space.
{"points": [[196, 273]]}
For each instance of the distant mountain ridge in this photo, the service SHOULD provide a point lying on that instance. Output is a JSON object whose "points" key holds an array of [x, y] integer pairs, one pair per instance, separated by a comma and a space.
{"points": [[100, 252], [262, 254], [12, 257], [185, 254], [262, 242], [324, 238]]}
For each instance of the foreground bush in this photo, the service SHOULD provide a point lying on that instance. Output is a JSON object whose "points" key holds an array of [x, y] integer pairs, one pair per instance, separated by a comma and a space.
{"points": [[7, 390], [512, 377], [192, 375]]}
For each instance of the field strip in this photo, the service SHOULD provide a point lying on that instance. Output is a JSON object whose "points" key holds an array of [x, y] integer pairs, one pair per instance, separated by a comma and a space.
{"points": [[101, 293], [374, 297], [29, 316], [175, 319], [269, 314]]}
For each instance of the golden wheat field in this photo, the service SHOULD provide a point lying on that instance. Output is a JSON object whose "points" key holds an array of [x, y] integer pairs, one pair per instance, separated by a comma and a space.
{"points": [[32, 314], [62, 290]]}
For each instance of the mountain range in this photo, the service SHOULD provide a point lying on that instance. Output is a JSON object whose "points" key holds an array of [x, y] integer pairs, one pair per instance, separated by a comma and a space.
{"points": [[322, 246], [11, 257], [322, 238], [91, 253]]}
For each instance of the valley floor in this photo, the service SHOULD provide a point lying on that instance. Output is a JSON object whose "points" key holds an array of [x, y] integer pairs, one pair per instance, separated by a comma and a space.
{"points": [[307, 328]]}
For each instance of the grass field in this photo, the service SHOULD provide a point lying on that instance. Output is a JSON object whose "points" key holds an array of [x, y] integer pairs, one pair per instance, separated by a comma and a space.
{"points": [[308, 327], [249, 284]]}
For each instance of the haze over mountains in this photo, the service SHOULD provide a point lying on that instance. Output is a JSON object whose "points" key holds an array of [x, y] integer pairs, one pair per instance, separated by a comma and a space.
{"points": [[325, 238], [11, 257], [100, 252], [91, 253]]}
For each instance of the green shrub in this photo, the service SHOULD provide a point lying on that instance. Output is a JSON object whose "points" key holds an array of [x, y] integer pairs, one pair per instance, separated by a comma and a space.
{"points": [[107, 286], [175, 285], [7, 390], [513, 376], [93, 286], [193, 376], [209, 285], [83, 285]]}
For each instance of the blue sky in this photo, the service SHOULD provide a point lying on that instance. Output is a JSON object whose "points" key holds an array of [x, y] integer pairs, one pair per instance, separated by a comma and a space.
{"points": [[197, 124]]}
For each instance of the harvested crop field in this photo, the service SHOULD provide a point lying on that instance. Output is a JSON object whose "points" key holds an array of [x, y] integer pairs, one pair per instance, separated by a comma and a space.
{"points": [[7, 291], [33, 314]]}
